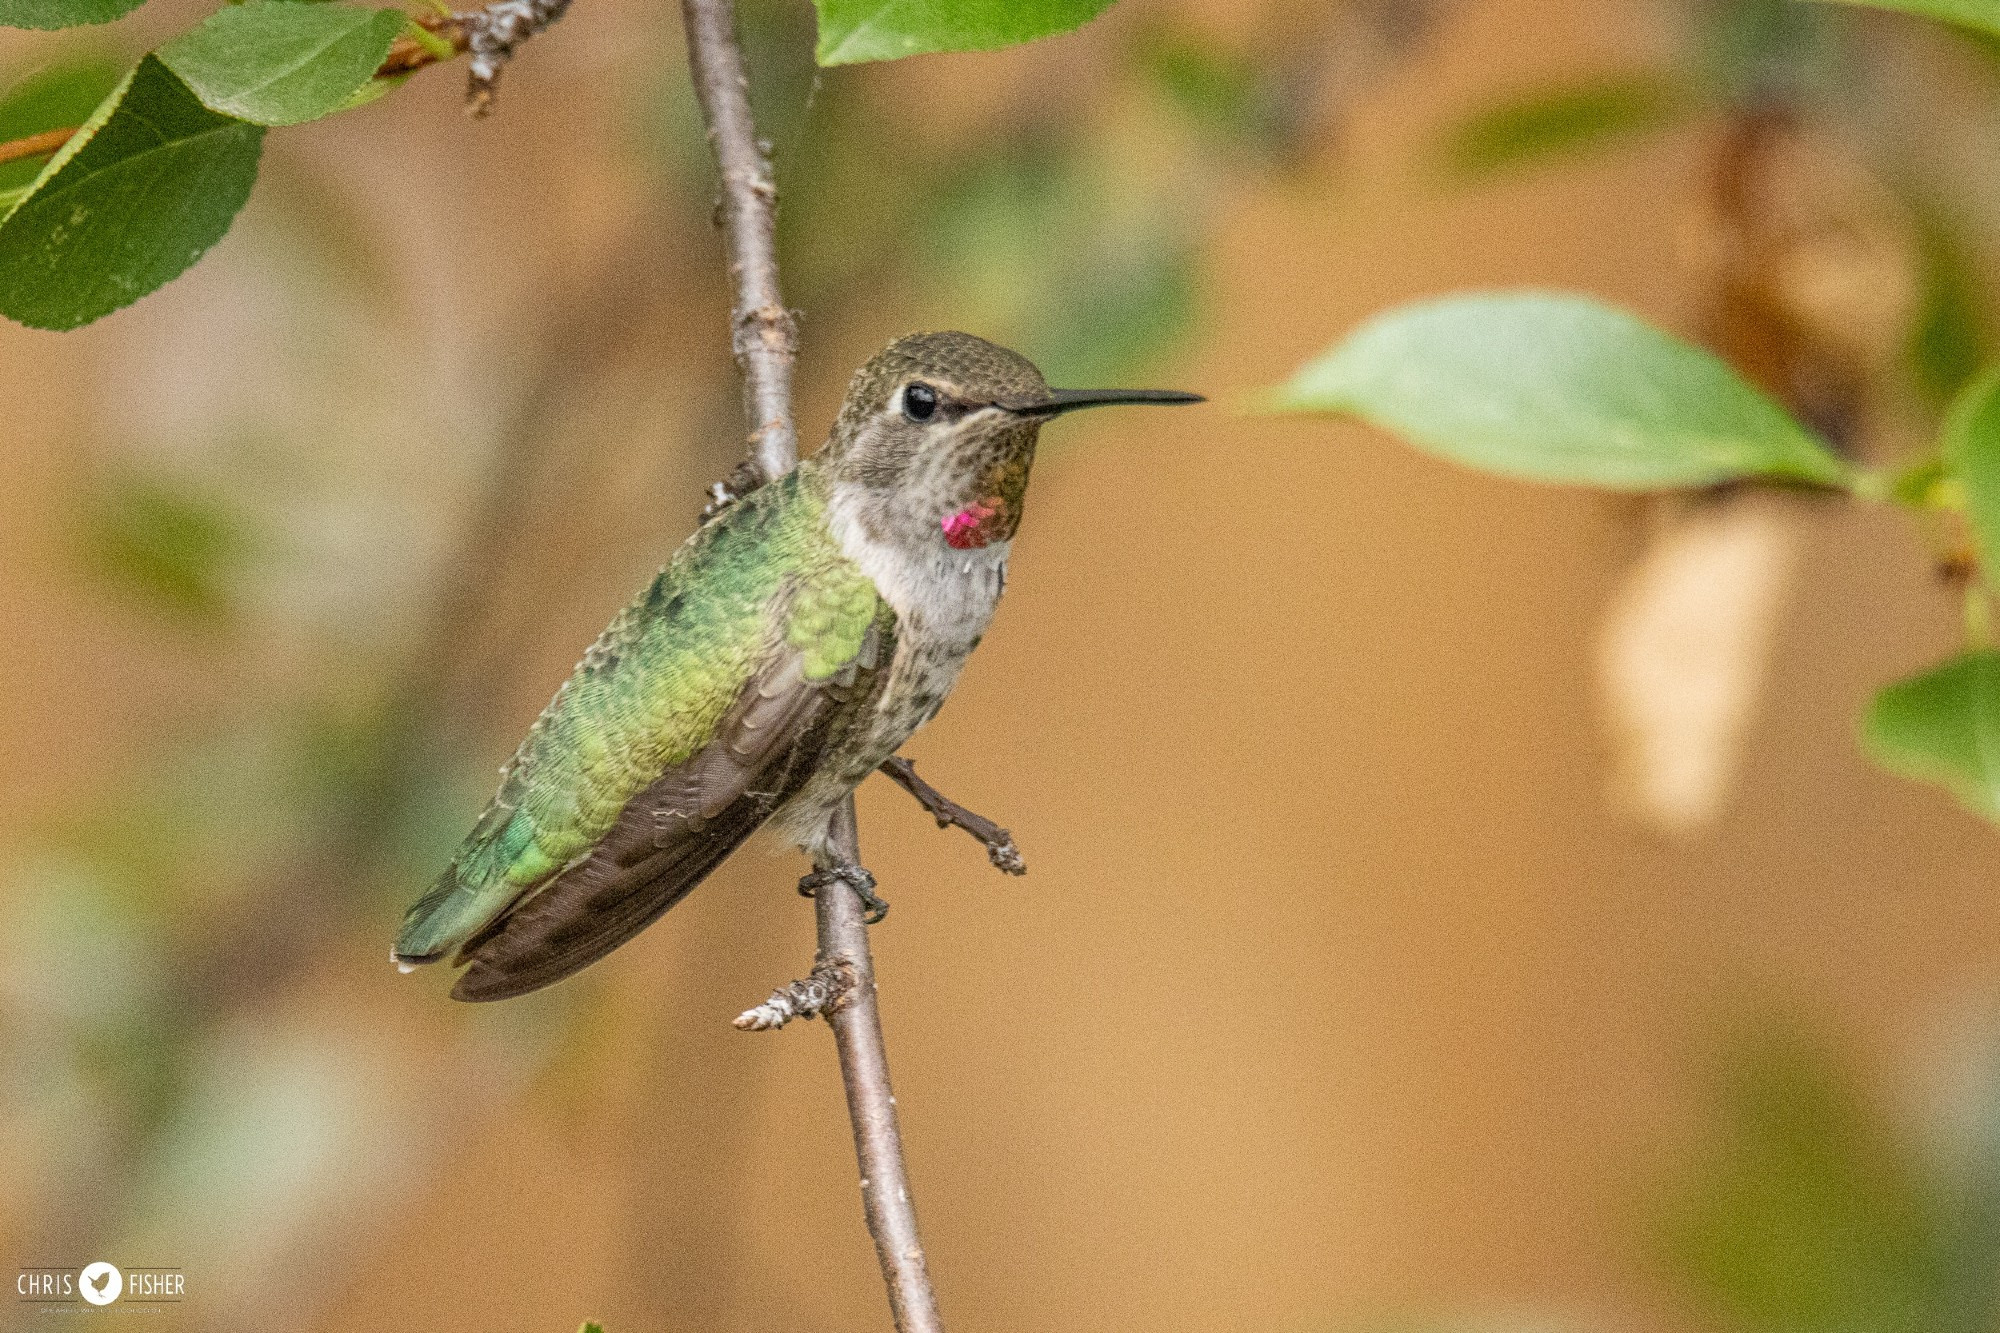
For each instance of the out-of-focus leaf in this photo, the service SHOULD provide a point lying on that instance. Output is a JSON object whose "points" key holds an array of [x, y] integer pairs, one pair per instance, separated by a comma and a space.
{"points": [[591, 1326], [62, 13], [1944, 727], [1558, 388], [1950, 337], [1027, 245], [49, 99], [172, 546], [1759, 49], [275, 63], [1981, 14], [1213, 87], [1805, 1220], [851, 31], [1118, 315], [1558, 121], [1972, 455], [137, 195], [1968, 1297]]}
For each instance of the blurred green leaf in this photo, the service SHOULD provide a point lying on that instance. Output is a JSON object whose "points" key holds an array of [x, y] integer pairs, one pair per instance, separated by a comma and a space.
{"points": [[1982, 14], [851, 31], [1971, 453], [1553, 122], [1949, 338], [1558, 388], [591, 1326], [48, 99], [1805, 1221], [1118, 316], [1213, 87], [173, 546], [62, 13], [1944, 727], [275, 63], [1753, 51], [1968, 1298], [1028, 244], [136, 196]]}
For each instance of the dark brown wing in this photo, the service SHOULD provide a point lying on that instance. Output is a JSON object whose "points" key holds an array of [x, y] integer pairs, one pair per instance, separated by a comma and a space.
{"points": [[672, 834]]}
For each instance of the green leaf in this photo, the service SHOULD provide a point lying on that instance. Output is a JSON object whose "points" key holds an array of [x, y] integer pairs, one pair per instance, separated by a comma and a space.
{"points": [[274, 63], [172, 546], [62, 13], [1944, 727], [591, 1326], [1804, 1217], [142, 190], [1213, 87], [1558, 388], [1555, 121], [1950, 336], [1972, 455], [1980, 14], [851, 31], [49, 99]]}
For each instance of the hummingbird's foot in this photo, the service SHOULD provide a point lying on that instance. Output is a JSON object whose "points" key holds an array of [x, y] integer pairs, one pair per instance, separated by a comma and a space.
{"points": [[743, 479], [855, 878], [999, 843]]}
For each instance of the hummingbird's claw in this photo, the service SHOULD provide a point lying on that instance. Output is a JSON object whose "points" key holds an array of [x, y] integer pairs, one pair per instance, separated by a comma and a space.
{"points": [[856, 878]]}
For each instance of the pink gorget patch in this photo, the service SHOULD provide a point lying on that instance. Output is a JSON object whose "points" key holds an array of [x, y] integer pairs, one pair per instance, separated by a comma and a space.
{"points": [[976, 525]]}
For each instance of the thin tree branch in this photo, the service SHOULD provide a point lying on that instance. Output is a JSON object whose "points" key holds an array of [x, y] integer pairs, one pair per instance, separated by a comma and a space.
{"points": [[492, 35], [766, 341], [823, 991], [999, 843], [871, 1104], [765, 337]]}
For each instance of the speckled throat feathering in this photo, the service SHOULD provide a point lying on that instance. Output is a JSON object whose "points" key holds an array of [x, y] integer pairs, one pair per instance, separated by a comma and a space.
{"points": [[788, 649]]}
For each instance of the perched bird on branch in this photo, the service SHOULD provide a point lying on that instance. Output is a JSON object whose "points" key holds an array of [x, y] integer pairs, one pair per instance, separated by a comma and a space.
{"points": [[787, 651]]}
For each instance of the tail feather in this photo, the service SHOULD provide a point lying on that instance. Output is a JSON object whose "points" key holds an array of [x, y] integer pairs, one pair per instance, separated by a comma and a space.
{"points": [[474, 891]]}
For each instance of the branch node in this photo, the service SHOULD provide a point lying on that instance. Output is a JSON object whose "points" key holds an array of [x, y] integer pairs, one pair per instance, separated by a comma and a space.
{"points": [[493, 34], [824, 990]]}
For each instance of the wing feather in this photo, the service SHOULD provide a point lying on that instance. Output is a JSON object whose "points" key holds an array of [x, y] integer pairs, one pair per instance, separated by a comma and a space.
{"points": [[667, 839]]}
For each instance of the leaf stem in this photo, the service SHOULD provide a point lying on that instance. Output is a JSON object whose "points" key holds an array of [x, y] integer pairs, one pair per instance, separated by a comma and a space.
{"points": [[35, 145], [439, 48]]}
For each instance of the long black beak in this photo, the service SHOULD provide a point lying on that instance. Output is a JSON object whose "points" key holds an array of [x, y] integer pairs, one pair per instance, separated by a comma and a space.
{"points": [[1068, 400]]}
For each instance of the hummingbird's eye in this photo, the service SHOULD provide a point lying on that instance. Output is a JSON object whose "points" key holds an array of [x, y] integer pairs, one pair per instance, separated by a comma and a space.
{"points": [[920, 402]]}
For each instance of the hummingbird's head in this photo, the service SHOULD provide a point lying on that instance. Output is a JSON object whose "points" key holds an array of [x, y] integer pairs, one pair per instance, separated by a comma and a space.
{"points": [[939, 431]]}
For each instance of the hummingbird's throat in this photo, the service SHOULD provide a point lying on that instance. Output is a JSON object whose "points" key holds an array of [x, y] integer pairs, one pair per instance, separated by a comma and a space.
{"points": [[980, 523]]}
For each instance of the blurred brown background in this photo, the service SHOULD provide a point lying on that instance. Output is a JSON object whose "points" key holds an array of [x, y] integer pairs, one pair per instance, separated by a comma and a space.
{"points": [[1344, 991]]}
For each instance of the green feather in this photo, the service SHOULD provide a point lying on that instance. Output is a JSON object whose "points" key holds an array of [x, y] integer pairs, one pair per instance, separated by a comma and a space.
{"points": [[650, 693]]}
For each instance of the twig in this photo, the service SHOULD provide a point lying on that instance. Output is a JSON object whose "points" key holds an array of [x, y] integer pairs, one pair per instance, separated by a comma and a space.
{"points": [[823, 991], [871, 1105], [494, 34], [766, 337], [765, 342], [1000, 848]]}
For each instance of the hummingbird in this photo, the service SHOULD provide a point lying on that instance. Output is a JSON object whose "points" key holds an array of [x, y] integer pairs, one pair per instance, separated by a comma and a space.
{"points": [[789, 648]]}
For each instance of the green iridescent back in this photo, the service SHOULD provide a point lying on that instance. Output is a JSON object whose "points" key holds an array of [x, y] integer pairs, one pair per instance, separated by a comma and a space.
{"points": [[650, 693]]}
